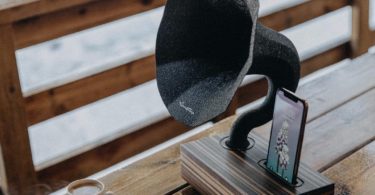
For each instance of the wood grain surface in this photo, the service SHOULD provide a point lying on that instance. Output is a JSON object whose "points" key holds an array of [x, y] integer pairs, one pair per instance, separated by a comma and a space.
{"points": [[159, 172], [301, 13], [114, 152], [322, 100], [259, 88], [59, 100], [17, 167], [51, 21], [325, 59], [356, 173], [75, 18], [212, 169], [340, 132], [362, 36], [13, 10]]}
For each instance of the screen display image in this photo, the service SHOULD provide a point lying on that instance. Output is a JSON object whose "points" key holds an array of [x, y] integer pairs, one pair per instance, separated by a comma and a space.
{"points": [[285, 134]]}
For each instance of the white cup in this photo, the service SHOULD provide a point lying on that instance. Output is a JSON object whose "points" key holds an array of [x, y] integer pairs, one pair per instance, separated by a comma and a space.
{"points": [[86, 187]]}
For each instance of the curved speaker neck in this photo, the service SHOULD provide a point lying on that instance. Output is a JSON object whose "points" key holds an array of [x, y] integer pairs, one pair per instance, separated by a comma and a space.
{"points": [[276, 58]]}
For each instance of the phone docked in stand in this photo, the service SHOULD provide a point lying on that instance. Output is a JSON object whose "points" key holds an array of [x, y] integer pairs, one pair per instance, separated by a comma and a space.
{"points": [[286, 138]]}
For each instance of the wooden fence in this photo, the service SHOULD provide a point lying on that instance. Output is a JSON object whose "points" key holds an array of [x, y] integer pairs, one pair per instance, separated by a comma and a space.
{"points": [[25, 23]]}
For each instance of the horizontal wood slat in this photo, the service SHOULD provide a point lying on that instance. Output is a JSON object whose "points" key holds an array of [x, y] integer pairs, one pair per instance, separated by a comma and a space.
{"points": [[55, 24], [106, 155], [14, 10], [56, 101], [355, 174], [258, 89], [65, 98], [325, 59], [301, 13], [62, 99], [334, 94], [351, 126]]}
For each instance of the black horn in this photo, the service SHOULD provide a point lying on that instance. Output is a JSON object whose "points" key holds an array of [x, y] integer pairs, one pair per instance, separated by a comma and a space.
{"points": [[204, 50]]}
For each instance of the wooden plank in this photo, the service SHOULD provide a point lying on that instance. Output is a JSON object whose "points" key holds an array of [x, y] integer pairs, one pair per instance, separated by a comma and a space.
{"points": [[252, 91], [340, 132], [356, 173], [334, 94], [56, 101], [13, 10], [324, 59], [17, 169], [144, 172], [331, 109], [55, 24], [329, 91], [66, 21], [108, 154], [188, 190], [301, 13], [65, 98], [231, 110], [212, 169], [258, 89], [140, 177], [362, 37]]}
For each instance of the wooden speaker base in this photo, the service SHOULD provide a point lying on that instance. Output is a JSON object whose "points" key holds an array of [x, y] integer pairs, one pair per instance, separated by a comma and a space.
{"points": [[212, 169]]}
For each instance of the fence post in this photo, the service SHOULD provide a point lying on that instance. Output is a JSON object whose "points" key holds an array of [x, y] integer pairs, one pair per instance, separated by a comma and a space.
{"points": [[16, 165], [362, 37]]}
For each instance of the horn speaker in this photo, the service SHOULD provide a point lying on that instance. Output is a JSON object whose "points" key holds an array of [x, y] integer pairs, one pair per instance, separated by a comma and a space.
{"points": [[204, 50]]}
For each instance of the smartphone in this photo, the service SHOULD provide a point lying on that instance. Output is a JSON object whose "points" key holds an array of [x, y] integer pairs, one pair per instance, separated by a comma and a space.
{"points": [[284, 150]]}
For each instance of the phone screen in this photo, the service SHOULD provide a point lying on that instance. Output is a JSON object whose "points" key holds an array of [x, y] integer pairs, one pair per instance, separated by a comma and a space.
{"points": [[286, 134]]}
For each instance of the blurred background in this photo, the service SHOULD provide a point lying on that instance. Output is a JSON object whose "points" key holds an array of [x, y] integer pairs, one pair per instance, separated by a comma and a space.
{"points": [[91, 96]]}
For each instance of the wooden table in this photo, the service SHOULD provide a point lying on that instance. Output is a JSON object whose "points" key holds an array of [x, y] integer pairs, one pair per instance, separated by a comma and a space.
{"points": [[339, 137]]}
